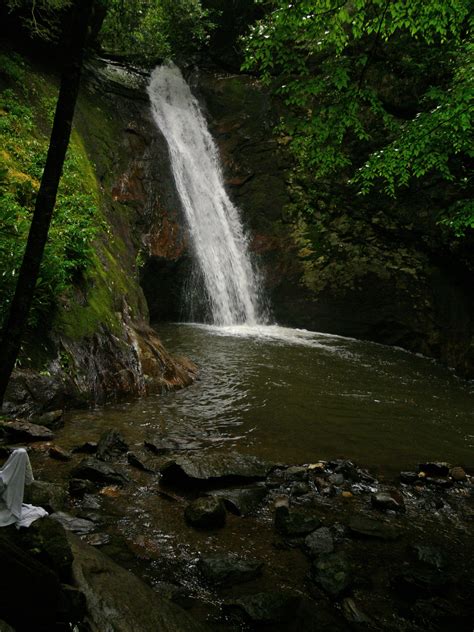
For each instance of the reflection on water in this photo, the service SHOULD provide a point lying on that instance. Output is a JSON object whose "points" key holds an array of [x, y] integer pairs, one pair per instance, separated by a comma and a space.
{"points": [[296, 396]]}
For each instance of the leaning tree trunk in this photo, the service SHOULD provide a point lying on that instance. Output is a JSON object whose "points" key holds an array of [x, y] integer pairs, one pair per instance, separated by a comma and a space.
{"points": [[15, 322]]}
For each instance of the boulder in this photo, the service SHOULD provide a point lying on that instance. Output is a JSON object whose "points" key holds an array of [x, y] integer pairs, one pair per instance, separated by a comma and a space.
{"points": [[118, 601], [99, 472], [24, 431], [295, 523], [242, 501], [319, 541], [52, 419], [331, 572], [363, 526], [47, 541], [51, 496], [265, 607], [26, 581], [206, 512], [228, 569], [213, 469], [111, 445]]}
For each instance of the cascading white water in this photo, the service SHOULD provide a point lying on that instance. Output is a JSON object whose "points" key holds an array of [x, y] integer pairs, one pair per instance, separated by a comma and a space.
{"points": [[219, 241]]}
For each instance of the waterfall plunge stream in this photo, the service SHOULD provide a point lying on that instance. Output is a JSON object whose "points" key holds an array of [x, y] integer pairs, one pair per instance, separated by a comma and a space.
{"points": [[215, 229]]}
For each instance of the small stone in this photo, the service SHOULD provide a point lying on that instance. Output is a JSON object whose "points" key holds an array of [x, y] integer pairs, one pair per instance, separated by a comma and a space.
{"points": [[386, 501], [336, 479], [438, 481], [242, 501], [207, 512], [316, 466], [295, 473], [319, 541], [97, 539], [347, 495], [352, 613], [458, 474], [59, 454], [299, 489]]}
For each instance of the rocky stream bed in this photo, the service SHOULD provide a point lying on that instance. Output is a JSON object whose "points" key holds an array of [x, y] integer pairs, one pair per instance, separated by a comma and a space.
{"points": [[242, 545]]}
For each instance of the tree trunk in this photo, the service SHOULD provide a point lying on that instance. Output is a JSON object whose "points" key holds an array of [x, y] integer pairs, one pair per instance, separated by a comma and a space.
{"points": [[15, 322]]}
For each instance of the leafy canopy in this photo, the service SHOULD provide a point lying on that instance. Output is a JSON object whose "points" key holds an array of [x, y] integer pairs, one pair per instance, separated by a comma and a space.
{"points": [[378, 90], [151, 29]]}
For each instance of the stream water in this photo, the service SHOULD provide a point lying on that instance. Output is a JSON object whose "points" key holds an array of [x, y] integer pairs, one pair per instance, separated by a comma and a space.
{"points": [[294, 396]]}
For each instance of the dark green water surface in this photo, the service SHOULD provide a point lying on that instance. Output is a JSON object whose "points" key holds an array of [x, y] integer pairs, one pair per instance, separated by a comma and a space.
{"points": [[296, 397]]}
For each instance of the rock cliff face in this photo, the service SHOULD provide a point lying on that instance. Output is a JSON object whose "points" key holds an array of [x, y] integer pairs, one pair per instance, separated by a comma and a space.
{"points": [[100, 346]]}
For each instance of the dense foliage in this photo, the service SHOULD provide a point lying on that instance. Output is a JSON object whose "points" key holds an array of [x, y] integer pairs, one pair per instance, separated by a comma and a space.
{"points": [[378, 91], [154, 29], [26, 109]]}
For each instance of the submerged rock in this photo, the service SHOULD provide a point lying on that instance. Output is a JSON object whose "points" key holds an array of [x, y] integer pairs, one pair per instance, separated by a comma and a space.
{"points": [[99, 472], [111, 445], [370, 528], [242, 501], [265, 607], [207, 512], [319, 541], [229, 569], [331, 572], [213, 469], [17, 430]]}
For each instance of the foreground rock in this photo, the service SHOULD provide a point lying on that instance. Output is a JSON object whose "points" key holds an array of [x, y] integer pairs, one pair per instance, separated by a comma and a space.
{"points": [[331, 572], [229, 569], [117, 601], [99, 472], [205, 513], [214, 469], [111, 445], [242, 501], [16, 430]]}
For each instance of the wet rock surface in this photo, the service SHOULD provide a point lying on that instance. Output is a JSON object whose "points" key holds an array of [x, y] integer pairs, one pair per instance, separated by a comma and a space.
{"points": [[19, 430], [306, 549], [215, 469], [99, 472]]}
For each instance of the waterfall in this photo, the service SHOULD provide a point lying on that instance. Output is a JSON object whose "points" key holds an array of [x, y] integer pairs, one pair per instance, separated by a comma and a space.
{"points": [[218, 239]]}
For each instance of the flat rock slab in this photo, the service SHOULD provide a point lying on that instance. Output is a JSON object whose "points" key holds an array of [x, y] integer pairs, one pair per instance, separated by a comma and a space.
{"points": [[81, 526], [368, 527], [118, 601], [17, 430], [213, 469], [229, 569]]}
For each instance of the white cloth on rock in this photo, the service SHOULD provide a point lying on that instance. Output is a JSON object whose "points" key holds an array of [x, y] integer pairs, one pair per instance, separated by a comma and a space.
{"points": [[13, 476]]}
